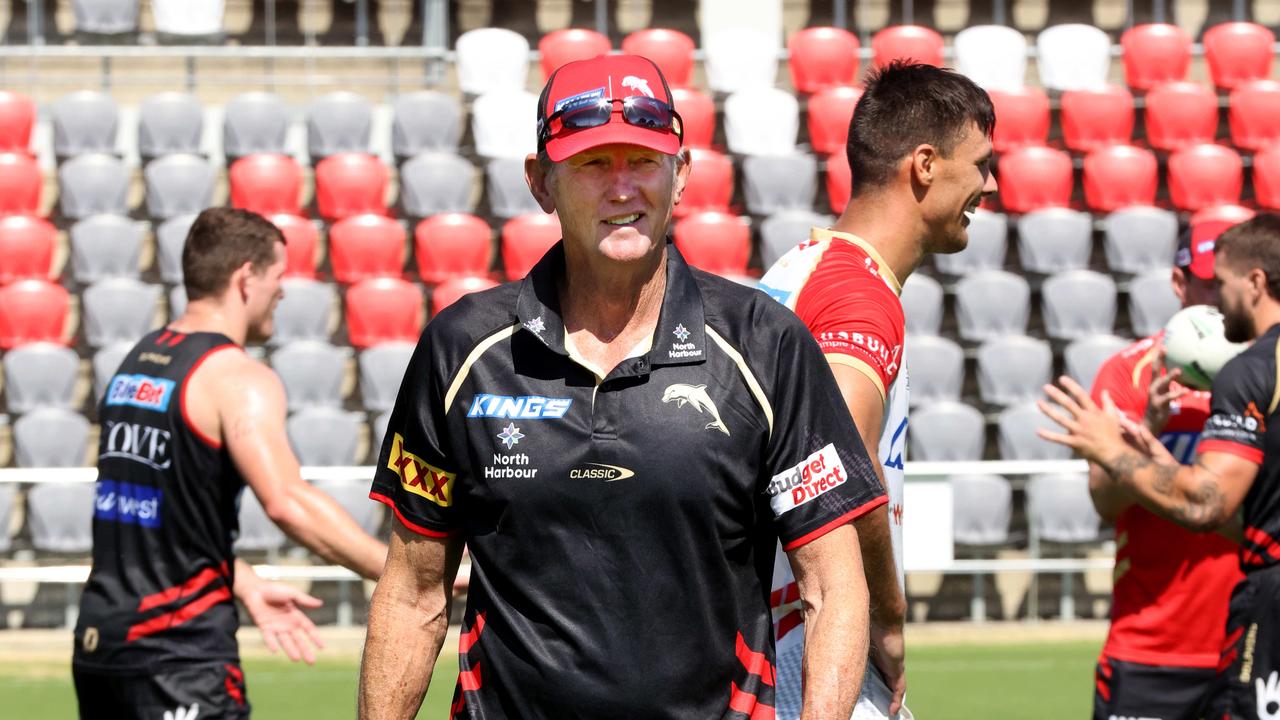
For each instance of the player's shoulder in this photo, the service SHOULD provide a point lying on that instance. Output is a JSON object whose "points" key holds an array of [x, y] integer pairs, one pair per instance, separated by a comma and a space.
{"points": [[1127, 359], [1255, 365]]}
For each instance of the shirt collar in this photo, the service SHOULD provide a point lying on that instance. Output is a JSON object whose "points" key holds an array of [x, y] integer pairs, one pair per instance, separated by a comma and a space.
{"points": [[882, 268]]}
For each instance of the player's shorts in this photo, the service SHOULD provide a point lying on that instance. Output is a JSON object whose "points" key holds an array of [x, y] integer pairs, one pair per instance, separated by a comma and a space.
{"points": [[1249, 686], [1150, 692], [873, 701], [192, 692]]}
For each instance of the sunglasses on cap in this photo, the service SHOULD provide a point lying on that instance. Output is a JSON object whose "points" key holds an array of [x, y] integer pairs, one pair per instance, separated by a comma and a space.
{"points": [[638, 110]]}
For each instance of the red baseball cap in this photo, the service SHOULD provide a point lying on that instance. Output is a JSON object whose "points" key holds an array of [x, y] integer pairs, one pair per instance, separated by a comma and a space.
{"points": [[1195, 252], [603, 78]]}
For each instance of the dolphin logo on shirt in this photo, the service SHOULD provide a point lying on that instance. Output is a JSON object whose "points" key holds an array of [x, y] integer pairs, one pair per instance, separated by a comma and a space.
{"points": [[695, 395]]}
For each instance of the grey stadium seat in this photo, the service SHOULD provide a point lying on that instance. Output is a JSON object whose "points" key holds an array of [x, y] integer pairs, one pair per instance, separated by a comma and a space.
{"points": [[982, 507], [425, 121], [325, 436], [991, 303], [1078, 303], [988, 242], [772, 183], [303, 313], [379, 428], [118, 310], [1151, 302], [257, 532], [1013, 369], [922, 304], [105, 246], [339, 122], [381, 370], [171, 238], [105, 363], [105, 17], [60, 517], [254, 122], [782, 231], [1085, 356], [1016, 435], [508, 192], [178, 185], [946, 431], [1139, 239], [168, 123], [8, 491], [93, 184], [1055, 239], [353, 496], [85, 121], [1059, 508], [936, 367], [437, 182], [312, 372], [177, 301], [50, 437], [40, 375]]}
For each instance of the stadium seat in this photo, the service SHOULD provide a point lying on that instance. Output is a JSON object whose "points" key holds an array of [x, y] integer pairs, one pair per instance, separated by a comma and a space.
{"points": [[907, 42], [772, 183], [354, 498], [1255, 114], [17, 120], [304, 312], [1073, 57], [1078, 303], [1139, 239], [1266, 178], [27, 246], [1118, 176], [991, 303], [301, 244], [761, 121], [384, 309], [988, 243], [1033, 178], [425, 121], [981, 510], [1151, 302], [33, 311], [1094, 119], [59, 515], [325, 436], [8, 493], [350, 184], [946, 431], [937, 369], [1022, 118], [257, 532], [1082, 358], [763, 16], [338, 122], [84, 122], [1154, 54], [171, 238], [710, 183], [672, 50], [737, 58], [525, 239], [698, 114], [177, 301], [40, 375], [1231, 214], [452, 245], [178, 185], [105, 362], [1017, 439], [181, 19], [382, 368], [922, 304], [254, 122], [169, 123], [1054, 239], [506, 189], [367, 246], [716, 242], [491, 59], [993, 56], [438, 182], [106, 17], [93, 184], [565, 46], [449, 291], [51, 438], [782, 231], [1013, 369], [1201, 176], [829, 114], [839, 182], [1180, 114], [312, 371], [1237, 52], [266, 183], [501, 126], [1059, 508], [118, 310], [822, 57], [103, 246], [21, 182]]}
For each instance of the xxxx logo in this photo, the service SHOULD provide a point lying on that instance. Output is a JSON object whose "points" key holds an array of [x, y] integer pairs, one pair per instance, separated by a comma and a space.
{"points": [[419, 477]]}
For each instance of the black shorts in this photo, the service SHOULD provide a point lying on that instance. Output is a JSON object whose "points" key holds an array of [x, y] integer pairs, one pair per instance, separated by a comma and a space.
{"points": [[1249, 686], [201, 691], [1155, 692]]}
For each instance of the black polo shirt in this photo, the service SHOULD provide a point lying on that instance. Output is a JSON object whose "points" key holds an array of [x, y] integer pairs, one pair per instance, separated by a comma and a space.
{"points": [[622, 529]]}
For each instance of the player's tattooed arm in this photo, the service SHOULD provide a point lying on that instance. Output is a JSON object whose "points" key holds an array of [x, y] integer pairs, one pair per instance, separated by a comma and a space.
{"points": [[1190, 496]]}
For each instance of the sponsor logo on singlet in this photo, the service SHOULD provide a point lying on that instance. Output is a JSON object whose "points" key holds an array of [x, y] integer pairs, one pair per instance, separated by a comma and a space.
{"points": [[525, 407], [139, 443], [420, 477], [140, 391], [806, 481], [127, 503]]}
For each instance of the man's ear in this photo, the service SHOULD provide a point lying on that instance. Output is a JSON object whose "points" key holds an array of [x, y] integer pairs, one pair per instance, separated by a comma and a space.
{"points": [[240, 279], [1179, 280], [684, 162], [924, 164], [538, 177], [1258, 283]]}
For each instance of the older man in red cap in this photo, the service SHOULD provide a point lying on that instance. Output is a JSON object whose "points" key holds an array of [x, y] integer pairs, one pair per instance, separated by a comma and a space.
{"points": [[621, 442]]}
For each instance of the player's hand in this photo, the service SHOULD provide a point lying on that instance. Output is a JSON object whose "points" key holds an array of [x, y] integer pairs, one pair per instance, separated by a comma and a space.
{"points": [[1094, 432], [888, 654], [1161, 394], [1140, 438], [276, 609]]}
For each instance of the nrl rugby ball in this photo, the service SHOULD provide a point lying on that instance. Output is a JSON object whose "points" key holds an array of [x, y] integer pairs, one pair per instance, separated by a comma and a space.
{"points": [[1193, 342]]}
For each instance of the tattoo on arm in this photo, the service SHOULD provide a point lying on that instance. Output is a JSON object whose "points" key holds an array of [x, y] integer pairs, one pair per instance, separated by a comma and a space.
{"points": [[1201, 508]]}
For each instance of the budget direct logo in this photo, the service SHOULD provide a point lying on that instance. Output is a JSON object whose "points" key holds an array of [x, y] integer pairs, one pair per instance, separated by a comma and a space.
{"points": [[527, 407], [141, 391], [806, 481], [419, 477], [127, 503]]}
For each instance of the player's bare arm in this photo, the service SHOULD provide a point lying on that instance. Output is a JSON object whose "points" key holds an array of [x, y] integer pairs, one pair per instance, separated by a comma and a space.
{"points": [[834, 594], [277, 611], [408, 619]]}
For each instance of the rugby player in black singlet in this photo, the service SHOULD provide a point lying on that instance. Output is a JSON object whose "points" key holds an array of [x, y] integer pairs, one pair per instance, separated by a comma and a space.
{"points": [[1237, 465], [187, 421]]}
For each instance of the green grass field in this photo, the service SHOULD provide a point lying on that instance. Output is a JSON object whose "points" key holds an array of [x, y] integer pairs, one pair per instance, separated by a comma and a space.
{"points": [[1050, 681]]}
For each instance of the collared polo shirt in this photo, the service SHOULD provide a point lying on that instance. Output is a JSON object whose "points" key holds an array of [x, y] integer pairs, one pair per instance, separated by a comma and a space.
{"points": [[621, 528]]}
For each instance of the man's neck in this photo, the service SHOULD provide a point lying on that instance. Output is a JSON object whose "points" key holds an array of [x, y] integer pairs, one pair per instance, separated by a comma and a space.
{"points": [[614, 300], [893, 229], [210, 316], [1265, 317]]}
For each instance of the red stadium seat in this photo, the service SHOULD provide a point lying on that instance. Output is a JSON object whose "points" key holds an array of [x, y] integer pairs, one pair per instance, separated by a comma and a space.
{"points": [[1181, 114], [17, 118], [716, 242], [452, 245], [350, 184], [1255, 114], [26, 248], [710, 184], [448, 292], [698, 112], [382, 310], [907, 42], [672, 50], [525, 239], [20, 184], [822, 57], [1238, 51], [1093, 119], [1032, 178], [830, 112], [366, 246], [1266, 177], [267, 184], [1022, 117], [1118, 176], [33, 311], [1205, 175], [301, 243], [1229, 214], [839, 181], [1155, 54], [565, 46]]}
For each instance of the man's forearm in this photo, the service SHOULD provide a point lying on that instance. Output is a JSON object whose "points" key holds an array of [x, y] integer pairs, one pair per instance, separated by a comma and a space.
{"points": [[835, 654], [888, 607], [316, 521], [1186, 494], [404, 638]]}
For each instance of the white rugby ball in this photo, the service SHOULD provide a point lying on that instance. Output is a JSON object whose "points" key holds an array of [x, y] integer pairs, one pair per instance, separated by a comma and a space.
{"points": [[1193, 342]]}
